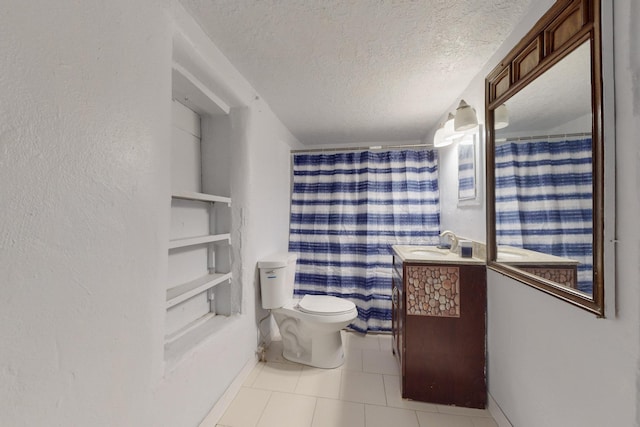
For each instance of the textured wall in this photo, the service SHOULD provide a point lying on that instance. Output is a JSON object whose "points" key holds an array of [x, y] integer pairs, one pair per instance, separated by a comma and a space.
{"points": [[84, 217], [85, 92]]}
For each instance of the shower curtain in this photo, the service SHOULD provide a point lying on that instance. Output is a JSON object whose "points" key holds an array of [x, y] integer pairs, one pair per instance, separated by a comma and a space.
{"points": [[347, 209], [544, 200]]}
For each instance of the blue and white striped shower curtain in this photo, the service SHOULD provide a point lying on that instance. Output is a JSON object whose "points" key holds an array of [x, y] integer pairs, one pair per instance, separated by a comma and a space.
{"points": [[544, 200], [347, 209]]}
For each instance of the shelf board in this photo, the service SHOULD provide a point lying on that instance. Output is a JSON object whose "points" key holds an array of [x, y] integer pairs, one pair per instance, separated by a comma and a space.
{"points": [[193, 93], [192, 241], [200, 197], [183, 292]]}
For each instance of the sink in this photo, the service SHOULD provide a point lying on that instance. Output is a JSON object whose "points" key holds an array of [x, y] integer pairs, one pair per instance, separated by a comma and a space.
{"points": [[428, 252], [511, 253]]}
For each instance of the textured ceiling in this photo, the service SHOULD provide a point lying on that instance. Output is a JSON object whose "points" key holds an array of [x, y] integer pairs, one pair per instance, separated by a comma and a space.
{"points": [[339, 71]]}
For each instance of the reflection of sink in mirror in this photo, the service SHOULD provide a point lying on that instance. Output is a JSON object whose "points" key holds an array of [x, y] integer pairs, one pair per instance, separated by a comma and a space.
{"points": [[511, 253], [428, 252]]}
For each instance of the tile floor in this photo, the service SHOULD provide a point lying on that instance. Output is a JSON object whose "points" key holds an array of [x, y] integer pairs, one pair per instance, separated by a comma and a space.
{"points": [[364, 392]]}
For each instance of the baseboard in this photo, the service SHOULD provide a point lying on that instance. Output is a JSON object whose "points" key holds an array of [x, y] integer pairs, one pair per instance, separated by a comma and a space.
{"points": [[497, 414], [225, 400]]}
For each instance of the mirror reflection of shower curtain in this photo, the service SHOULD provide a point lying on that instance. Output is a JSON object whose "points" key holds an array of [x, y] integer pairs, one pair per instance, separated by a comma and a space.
{"points": [[544, 200], [347, 209]]}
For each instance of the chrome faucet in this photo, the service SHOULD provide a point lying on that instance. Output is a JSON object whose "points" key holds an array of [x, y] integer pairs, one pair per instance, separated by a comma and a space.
{"points": [[452, 237]]}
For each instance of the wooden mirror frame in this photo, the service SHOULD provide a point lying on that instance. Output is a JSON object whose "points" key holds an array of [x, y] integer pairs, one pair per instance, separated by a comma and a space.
{"points": [[565, 27]]}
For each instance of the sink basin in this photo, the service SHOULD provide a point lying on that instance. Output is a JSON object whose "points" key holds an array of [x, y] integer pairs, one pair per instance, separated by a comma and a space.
{"points": [[428, 252], [510, 255]]}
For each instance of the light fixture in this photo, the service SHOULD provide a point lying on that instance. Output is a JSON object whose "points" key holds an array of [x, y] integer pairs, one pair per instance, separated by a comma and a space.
{"points": [[448, 125], [450, 134], [445, 133], [501, 117], [465, 118], [438, 137]]}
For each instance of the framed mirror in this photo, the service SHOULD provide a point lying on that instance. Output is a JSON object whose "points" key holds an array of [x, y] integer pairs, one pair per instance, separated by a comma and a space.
{"points": [[545, 157], [467, 185], [470, 176]]}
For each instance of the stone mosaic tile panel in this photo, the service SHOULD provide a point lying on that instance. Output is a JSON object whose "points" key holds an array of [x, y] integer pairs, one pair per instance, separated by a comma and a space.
{"points": [[564, 276], [433, 291]]}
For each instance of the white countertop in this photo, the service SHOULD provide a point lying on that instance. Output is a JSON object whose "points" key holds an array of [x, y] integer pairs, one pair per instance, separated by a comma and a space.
{"points": [[518, 256], [432, 255]]}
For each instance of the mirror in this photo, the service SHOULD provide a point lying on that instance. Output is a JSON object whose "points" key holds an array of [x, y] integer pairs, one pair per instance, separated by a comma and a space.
{"points": [[468, 153], [544, 168]]}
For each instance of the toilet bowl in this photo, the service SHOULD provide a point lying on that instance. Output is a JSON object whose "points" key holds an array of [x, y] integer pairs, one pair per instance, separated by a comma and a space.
{"points": [[310, 327]]}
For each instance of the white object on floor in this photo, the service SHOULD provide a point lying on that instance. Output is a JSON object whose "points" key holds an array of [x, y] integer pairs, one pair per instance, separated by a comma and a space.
{"points": [[310, 328]]}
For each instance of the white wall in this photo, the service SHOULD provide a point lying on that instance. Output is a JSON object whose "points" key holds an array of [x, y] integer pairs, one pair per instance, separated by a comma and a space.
{"points": [[257, 162], [466, 220], [84, 224], [551, 364], [84, 140]]}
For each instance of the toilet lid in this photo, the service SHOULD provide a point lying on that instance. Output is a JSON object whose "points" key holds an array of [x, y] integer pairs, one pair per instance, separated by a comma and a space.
{"points": [[325, 304]]}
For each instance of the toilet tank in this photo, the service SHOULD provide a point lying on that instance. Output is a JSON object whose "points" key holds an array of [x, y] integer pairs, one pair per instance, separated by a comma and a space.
{"points": [[277, 276]]}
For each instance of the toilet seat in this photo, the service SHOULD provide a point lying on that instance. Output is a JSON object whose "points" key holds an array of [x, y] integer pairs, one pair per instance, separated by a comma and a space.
{"points": [[325, 305]]}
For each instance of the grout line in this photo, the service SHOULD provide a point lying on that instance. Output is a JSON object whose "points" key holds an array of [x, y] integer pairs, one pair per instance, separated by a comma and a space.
{"points": [[313, 415], [384, 388], [264, 408]]}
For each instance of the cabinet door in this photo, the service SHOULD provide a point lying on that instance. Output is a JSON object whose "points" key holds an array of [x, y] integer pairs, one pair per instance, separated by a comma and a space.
{"points": [[444, 355]]}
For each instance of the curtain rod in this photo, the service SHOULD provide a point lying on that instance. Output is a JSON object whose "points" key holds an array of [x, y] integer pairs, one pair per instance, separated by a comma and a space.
{"points": [[372, 147], [533, 138]]}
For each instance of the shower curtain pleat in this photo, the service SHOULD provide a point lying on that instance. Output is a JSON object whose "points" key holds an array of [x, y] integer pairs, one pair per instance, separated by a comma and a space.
{"points": [[347, 209], [544, 200]]}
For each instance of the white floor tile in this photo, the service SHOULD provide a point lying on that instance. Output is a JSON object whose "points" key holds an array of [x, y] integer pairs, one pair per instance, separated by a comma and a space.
{"points": [[288, 410], [338, 413], [365, 391], [319, 382], [352, 360], [386, 342], [362, 387], [394, 396], [380, 362], [253, 374], [469, 412], [246, 408], [278, 377], [362, 341], [483, 422], [430, 419], [383, 416]]}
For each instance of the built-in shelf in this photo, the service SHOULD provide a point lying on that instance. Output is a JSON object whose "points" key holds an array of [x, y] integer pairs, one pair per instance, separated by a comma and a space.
{"points": [[200, 197], [190, 91], [192, 241], [185, 291]]}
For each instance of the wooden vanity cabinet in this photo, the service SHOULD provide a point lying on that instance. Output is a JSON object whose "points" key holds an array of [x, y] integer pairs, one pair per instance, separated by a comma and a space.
{"points": [[439, 336]]}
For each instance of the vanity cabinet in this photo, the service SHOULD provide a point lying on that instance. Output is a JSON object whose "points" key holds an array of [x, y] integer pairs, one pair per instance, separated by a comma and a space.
{"points": [[439, 331]]}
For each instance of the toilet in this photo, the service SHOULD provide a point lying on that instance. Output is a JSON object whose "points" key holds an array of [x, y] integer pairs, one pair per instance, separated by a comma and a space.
{"points": [[310, 327]]}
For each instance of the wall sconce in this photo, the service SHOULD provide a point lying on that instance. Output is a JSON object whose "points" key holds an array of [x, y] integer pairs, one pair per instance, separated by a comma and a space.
{"points": [[501, 117], [438, 138], [454, 128], [445, 133], [466, 118]]}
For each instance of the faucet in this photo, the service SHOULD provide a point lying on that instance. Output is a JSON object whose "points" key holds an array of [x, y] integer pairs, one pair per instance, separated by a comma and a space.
{"points": [[452, 237]]}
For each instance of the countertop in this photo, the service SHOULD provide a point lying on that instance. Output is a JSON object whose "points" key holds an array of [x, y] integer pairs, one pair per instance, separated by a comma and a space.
{"points": [[518, 256], [432, 255]]}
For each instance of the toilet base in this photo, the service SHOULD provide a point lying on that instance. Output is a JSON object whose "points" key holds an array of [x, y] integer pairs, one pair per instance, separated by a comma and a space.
{"points": [[324, 351]]}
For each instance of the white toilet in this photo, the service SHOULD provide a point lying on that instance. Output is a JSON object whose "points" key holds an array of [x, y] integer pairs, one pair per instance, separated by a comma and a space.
{"points": [[310, 327]]}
